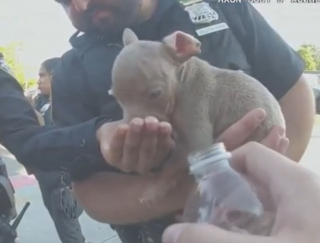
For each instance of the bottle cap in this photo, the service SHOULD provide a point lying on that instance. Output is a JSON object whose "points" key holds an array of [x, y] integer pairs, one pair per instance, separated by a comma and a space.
{"points": [[208, 156]]}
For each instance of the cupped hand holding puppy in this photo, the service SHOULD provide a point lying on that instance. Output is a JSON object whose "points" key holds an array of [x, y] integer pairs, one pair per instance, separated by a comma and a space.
{"points": [[144, 144]]}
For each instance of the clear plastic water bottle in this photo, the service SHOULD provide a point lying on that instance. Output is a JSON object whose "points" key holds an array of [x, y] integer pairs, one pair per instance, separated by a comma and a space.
{"points": [[222, 196]]}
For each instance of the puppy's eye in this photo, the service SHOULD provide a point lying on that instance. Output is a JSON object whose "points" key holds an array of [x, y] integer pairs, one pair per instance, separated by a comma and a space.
{"points": [[155, 93]]}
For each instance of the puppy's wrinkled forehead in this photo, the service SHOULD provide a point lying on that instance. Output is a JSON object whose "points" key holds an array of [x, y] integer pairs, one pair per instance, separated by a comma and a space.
{"points": [[141, 63]]}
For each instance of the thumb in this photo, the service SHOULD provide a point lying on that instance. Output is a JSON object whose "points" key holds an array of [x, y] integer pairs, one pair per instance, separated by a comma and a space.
{"points": [[205, 233]]}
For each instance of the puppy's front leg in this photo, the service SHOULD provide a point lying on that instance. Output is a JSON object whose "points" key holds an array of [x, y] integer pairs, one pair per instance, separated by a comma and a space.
{"points": [[197, 134], [193, 124]]}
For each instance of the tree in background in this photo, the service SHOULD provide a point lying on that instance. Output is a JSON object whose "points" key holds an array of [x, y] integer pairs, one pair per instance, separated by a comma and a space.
{"points": [[316, 55], [11, 53], [311, 56], [305, 52]]}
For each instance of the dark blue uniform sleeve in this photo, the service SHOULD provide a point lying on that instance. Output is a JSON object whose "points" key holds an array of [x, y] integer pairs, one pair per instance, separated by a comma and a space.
{"points": [[69, 104], [274, 63], [73, 103], [41, 147]]}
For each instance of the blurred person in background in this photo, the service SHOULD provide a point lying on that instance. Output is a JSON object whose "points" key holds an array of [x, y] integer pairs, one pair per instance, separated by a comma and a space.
{"points": [[43, 99]]}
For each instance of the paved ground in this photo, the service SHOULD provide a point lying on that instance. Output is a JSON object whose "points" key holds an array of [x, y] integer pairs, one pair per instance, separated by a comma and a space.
{"points": [[37, 227]]}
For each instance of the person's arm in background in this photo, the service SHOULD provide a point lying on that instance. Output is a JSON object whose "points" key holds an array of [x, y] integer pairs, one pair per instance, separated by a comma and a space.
{"points": [[298, 107], [279, 68], [41, 147]]}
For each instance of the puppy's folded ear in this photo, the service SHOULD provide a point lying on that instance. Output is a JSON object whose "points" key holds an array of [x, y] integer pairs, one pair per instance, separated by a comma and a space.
{"points": [[129, 37], [182, 46]]}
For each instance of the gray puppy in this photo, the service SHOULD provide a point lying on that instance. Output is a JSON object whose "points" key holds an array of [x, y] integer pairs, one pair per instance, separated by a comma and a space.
{"points": [[166, 80]]}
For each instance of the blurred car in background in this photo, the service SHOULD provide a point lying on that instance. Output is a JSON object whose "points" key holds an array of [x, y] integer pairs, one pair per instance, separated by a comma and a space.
{"points": [[316, 92], [313, 78]]}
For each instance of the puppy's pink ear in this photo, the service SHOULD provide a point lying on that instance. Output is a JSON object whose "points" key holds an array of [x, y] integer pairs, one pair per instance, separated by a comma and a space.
{"points": [[182, 45], [129, 37]]}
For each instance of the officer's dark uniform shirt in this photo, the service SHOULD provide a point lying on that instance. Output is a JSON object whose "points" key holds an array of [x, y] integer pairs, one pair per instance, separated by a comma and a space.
{"points": [[45, 148], [81, 83]]}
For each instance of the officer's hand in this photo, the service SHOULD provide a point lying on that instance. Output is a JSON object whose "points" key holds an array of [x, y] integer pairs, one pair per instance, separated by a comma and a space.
{"points": [[138, 146], [235, 135], [143, 144], [293, 192]]}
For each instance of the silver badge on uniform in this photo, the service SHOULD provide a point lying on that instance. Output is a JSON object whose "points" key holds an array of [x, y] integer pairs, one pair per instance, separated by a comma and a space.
{"points": [[201, 13]]}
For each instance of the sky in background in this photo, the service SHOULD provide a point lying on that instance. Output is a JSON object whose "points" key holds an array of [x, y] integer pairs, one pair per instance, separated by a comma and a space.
{"points": [[41, 25], [44, 29]]}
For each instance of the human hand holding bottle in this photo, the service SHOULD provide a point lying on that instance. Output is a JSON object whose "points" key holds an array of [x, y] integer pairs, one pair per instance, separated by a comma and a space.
{"points": [[294, 192]]}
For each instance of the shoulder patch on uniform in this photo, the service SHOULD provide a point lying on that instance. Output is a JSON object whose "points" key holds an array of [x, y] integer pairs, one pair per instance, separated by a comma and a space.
{"points": [[201, 13]]}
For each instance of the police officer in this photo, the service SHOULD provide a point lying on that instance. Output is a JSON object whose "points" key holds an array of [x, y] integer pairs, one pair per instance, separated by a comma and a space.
{"points": [[46, 148], [233, 36], [7, 206]]}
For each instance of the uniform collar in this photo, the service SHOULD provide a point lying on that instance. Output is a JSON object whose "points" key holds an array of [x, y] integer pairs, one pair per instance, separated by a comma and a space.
{"points": [[145, 30]]}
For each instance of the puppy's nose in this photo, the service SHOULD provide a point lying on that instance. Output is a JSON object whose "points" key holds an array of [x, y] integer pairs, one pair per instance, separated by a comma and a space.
{"points": [[81, 5]]}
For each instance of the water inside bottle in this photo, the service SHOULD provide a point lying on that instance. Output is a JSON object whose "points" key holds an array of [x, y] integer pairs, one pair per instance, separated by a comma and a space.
{"points": [[225, 199]]}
